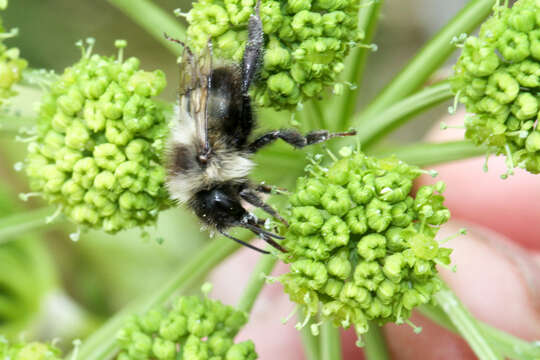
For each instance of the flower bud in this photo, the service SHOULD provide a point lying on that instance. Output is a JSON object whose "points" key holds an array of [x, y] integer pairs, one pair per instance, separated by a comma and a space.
{"points": [[363, 242], [307, 42], [194, 328], [100, 143], [494, 78]]}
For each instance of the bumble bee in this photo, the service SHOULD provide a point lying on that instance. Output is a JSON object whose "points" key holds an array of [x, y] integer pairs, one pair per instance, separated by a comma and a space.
{"points": [[210, 146]]}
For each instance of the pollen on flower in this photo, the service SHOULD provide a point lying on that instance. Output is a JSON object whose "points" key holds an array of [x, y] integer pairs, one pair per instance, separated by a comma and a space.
{"points": [[360, 244], [306, 42], [497, 78], [99, 141], [192, 328]]}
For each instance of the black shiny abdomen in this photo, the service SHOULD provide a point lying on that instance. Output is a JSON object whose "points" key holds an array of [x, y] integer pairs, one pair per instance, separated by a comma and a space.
{"points": [[219, 206]]}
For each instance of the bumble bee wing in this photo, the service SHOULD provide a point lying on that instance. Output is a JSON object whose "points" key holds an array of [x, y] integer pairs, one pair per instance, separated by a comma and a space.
{"points": [[195, 80]]}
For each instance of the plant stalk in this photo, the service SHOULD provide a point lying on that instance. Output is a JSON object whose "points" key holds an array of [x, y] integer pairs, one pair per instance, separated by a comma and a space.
{"points": [[429, 58], [397, 114], [505, 344], [154, 20], [310, 342], [330, 342], [375, 348], [101, 344], [14, 225], [465, 324], [368, 17], [423, 154], [256, 282]]}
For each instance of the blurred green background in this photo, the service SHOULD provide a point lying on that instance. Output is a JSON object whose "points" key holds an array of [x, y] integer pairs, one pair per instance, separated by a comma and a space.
{"points": [[70, 288]]}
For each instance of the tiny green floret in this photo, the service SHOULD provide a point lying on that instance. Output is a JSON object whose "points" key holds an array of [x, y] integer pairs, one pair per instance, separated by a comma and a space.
{"points": [[497, 77], [193, 328], [100, 138], [306, 42], [28, 351], [11, 65], [360, 244]]}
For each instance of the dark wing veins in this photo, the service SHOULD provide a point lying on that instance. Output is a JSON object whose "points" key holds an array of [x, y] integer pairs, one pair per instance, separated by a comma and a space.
{"points": [[193, 90]]}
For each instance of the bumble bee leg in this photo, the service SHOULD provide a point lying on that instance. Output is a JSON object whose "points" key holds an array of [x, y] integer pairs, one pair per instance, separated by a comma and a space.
{"points": [[243, 242], [265, 235], [267, 189], [296, 139], [251, 197], [252, 60]]}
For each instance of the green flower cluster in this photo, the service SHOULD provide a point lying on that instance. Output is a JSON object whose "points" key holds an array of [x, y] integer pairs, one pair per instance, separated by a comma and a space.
{"points": [[194, 328], [11, 65], [497, 77], [28, 351], [99, 142], [360, 246], [306, 42]]}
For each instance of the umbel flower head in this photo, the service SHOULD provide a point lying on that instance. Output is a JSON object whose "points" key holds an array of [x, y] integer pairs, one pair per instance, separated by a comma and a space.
{"points": [[28, 351], [100, 136], [11, 65], [306, 42], [194, 328], [497, 78], [361, 247]]}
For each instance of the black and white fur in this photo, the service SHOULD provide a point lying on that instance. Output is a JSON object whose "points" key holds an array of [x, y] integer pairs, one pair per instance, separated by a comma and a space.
{"points": [[209, 150]]}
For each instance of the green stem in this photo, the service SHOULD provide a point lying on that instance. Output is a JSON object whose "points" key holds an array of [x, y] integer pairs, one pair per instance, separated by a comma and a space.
{"points": [[368, 17], [375, 348], [256, 282], [17, 224], [397, 114], [465, 324], [423, 154], [330, 342], [505, 344], [430, 57], [320, 118], [13, 123], [154, 20], [310, 342], [101, 344]]}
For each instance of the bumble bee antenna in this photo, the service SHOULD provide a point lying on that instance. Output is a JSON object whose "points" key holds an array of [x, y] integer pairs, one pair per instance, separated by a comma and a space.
{"points": [[171, 39], [243, 242]]}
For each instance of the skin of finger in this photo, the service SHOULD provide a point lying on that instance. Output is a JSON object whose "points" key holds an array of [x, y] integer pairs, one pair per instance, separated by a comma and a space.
{"points": [[496, 279], [506, 206], [490, 282]]}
